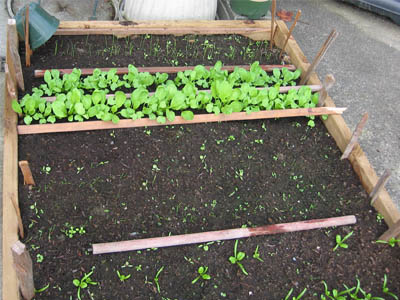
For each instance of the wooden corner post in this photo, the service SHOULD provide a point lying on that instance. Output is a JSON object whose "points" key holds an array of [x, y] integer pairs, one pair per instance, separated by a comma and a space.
{"points": [[23, 268]]}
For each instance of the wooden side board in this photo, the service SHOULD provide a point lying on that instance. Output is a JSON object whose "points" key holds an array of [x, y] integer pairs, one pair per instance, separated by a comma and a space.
{"points": [[339, 130], [10, 182]]}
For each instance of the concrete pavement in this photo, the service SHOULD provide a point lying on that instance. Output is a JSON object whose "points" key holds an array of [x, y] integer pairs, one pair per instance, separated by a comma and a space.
{"points": [[364, 60]]}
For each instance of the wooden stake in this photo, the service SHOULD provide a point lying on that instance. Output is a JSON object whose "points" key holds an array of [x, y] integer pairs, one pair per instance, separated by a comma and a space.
{"points": [[13, 58], [220, 235], [10, 88], [354, 137], [273, 9], [28, 51], [332, 36], [23, 268], [170, 70], [290, 32], [326, 85], [201, 118], [26, 172], [379, 186], [392, 232]]}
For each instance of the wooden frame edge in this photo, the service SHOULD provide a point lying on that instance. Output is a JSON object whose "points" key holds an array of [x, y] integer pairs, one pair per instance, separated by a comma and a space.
{"points": [[10, 185], [341, 133]]}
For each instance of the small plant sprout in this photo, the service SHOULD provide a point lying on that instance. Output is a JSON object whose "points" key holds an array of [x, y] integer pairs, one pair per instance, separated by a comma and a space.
{"points": [[295, 298], [39, 258], [256, 255], [41, 290], [368, 296], [237, 258], [385, 289], [340, 242], [202, 274], [335, 294], [157, 278], [84, 282], [71, 231], [123, 277], [46, 169], [392, 242]]}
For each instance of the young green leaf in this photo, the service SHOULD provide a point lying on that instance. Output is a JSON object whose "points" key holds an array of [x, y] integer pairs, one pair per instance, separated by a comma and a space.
{"points": [[187, 115], [16, 107]]}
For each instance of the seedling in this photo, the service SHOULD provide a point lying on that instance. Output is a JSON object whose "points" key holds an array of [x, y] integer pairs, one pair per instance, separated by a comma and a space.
{"points": [[39, 258], [256, 255], [385, 289], [156, 279], [84, 283], [335, 294], [41, 290], [122, 277], [71, 231], [392, 242], [237, 258], [340, 242], [368, 296], [295, 298], [46, 169], [202, 274]]}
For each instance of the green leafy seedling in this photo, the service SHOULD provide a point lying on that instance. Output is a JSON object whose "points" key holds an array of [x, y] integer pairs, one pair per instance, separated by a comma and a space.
{"points": [[202, 274], [385, 289], [41, 290], [340, 242], [335, 294], [295, 298], [256, 255], [123, 277], [157, 278], [237, 258], [368, 296], [392, 242], [84, 283]]}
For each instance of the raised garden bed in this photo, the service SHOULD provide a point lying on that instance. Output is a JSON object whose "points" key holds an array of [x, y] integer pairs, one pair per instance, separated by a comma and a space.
{"points": [[114, 185]]}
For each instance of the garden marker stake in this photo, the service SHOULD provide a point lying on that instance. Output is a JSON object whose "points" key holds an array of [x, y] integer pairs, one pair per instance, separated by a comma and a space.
{"points": [[379, 186], [228, 234], [321, 53], [26, 172], [273, 8], [354, 137], [326, 85], [290, 32]]}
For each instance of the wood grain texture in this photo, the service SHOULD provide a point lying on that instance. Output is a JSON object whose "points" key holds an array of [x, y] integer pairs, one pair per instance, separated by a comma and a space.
{"points": [[26, 172], [170, 70], [392, 232], [203, 118], [341, 133], [14, 59], [355, 136], [23, 267], [219, 235], [10, 187]]}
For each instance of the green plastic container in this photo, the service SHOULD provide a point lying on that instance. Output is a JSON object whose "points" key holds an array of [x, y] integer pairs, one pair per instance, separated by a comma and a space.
{"points": [[42, 25], [250, 9]]}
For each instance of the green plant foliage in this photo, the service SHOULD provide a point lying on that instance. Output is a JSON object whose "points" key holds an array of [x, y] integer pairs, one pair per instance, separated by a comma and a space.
{"points": [[79, 99]]}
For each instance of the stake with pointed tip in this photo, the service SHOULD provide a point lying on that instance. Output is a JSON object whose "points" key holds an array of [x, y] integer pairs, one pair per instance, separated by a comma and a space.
{"points": [[354, 137], [321, 53], [290, 33], [379, 186]]}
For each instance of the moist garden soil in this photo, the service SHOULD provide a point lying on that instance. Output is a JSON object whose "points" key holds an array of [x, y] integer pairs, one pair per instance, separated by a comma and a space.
{"points": [[148, 182]]}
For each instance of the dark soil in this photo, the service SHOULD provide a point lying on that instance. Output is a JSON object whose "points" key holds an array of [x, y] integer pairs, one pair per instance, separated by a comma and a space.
{"points": [[148, 182]]}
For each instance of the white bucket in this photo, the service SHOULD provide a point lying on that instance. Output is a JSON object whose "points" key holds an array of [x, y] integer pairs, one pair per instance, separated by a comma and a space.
{"points": [[170, 9]]}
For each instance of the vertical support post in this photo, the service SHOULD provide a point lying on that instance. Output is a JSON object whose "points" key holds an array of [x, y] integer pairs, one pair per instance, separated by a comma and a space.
{"points": [[321, 53], [27, 47], [354, 137], [327, 84], [379, 186], [273, 8], [23, 268], [290, 32], [26, 172]]}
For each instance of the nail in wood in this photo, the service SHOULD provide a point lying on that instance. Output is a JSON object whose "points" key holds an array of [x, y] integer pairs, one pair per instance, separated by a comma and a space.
{"points": [[355, 136]]}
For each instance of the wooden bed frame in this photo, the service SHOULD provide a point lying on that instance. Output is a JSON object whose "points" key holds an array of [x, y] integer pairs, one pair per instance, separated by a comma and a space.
{"points": [[257, 30]]}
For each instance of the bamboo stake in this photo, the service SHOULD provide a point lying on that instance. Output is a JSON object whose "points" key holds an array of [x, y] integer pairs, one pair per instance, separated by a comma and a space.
{"points": [[326, 85], [23, 268], [379, 186], [26, 172], [220, 235], [290, 32], [355, 136], [273, 8], [321, 53], [282, 89], [392, 232], [170, 70], [202, 118], [28, 51]]}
